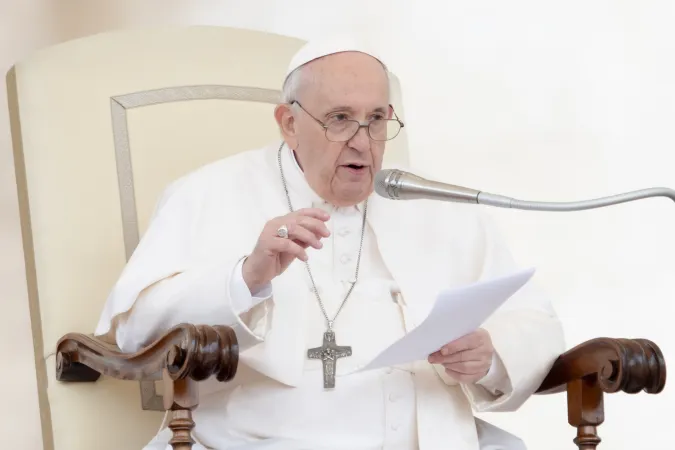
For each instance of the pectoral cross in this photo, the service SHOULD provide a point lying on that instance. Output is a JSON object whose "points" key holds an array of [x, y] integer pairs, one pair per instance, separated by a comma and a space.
{"points": [[329, 353]]}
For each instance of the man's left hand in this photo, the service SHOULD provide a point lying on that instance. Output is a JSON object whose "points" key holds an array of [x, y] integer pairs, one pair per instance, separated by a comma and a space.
{"points": [[467, 359]]}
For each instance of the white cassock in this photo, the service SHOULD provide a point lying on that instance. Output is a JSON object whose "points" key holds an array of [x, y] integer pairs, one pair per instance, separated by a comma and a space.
{"points": [[187, 268]]}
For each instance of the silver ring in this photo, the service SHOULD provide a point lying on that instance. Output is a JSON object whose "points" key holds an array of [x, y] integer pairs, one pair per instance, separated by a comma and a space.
{"points": [[282, 232]]}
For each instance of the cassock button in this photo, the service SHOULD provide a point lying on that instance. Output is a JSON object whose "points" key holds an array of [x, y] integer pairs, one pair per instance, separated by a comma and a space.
{"points": [[344, 231], [344, 259]]}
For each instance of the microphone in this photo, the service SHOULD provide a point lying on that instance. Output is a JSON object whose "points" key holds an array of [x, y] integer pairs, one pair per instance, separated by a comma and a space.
{"points": [[396, 184]]}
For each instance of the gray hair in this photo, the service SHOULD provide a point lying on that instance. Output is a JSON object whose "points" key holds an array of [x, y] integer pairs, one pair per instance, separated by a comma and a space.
{"points": [[300, 77], [294, 82]]}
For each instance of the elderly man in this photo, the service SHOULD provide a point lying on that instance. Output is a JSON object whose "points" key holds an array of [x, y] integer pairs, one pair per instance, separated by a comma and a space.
{"points": [[289, 246]]}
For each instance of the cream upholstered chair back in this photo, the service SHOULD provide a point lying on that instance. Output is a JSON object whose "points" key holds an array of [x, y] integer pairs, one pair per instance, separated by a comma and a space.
{"points": [[100, 126]]}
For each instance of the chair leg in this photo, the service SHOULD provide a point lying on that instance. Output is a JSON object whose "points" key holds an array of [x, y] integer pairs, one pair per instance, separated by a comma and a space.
{"points": [[587, 438], [181, 398], [182, 424], [585, 410]]}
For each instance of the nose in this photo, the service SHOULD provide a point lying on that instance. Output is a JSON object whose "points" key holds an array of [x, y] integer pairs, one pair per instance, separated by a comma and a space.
{"points": [[361, 140]]}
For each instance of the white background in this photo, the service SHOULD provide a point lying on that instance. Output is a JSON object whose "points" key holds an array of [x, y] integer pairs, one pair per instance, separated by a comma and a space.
{"points": [[535, 99]]}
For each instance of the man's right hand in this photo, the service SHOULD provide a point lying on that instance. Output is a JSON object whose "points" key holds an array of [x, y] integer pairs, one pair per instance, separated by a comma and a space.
{"points": [[272, 254]]}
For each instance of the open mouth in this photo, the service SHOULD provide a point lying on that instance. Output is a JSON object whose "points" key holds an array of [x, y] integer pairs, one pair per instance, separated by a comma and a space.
{"points": [[355, 166]]}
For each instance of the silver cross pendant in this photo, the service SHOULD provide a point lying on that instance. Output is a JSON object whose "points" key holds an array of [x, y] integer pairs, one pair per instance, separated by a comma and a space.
{"points": [[329, 353]]}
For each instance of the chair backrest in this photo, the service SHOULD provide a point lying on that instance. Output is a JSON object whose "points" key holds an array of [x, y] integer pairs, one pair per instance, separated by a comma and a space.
{"points": [[100, 126]]}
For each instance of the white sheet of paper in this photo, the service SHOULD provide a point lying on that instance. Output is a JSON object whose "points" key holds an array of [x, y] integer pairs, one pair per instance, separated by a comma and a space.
{"points": [[456, 313]]}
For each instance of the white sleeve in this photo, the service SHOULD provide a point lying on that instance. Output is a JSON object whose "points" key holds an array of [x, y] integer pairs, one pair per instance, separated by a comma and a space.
{"points": [[526, 334], [166, 282], [241, 297], [496, 381], [201, 295]]}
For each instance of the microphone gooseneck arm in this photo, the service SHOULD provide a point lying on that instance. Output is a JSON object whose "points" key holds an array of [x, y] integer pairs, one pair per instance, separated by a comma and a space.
{"points": [[398, 185], [501, 201]]}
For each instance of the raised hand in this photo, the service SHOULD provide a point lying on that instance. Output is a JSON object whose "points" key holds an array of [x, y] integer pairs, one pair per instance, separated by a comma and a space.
{"points": [[273, 254]]}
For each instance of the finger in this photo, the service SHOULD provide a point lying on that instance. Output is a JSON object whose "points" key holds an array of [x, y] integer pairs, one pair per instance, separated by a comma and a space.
{"points": [[467, 342], [468, 367], [301, 244], [468, 355], [317, 227], [315, 213], [282, 245], [301, 235]]}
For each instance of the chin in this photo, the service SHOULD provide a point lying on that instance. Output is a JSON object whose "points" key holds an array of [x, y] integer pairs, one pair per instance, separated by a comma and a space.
{"points": [[345, 193]]}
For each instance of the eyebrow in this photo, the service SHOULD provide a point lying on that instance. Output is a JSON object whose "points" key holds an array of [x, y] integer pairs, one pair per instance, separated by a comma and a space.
{"points": [[351, 110]]}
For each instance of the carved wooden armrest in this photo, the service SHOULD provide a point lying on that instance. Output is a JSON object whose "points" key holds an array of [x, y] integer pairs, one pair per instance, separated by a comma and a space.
{"points": [[601, 366], [183, 356]]}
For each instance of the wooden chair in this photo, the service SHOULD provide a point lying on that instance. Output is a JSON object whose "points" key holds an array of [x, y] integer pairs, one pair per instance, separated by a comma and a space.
{"points": [[100, 126]]}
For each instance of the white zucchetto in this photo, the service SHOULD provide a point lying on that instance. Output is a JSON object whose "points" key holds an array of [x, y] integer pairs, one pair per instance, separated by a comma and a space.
{"points": [[315, 49]]}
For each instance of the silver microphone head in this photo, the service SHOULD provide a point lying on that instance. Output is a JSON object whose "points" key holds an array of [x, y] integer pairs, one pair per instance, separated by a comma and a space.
{"points": [[388, 183], [396, 184]]}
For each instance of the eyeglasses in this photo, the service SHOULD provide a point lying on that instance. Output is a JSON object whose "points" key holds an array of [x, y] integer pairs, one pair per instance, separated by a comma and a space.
{"points": [[343, 130]]}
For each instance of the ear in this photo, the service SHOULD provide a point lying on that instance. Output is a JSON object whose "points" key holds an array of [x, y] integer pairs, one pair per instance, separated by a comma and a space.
{"points": [[286, 121]]}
